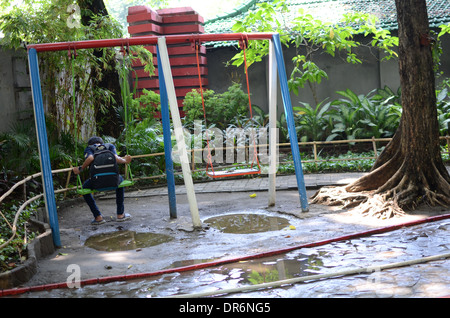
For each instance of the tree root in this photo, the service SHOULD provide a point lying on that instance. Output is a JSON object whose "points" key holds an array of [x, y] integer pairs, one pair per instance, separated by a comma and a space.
{"points": [[401, 192], [367, 203]]}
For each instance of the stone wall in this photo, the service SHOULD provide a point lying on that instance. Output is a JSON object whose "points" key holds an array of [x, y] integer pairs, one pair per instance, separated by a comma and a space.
{"points": [[16, 103]]}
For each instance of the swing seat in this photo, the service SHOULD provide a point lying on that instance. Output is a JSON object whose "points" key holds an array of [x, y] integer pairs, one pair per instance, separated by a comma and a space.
{"points": [[233, 173], [126, 183], [82, 191], [123, 184]]}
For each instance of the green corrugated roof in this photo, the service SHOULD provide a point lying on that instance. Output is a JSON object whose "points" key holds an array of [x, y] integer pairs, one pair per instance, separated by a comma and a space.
{"points": [[329, 10]]}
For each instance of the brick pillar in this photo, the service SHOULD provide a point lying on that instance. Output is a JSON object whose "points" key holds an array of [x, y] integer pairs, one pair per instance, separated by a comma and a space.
{"points": [[144, 21]]}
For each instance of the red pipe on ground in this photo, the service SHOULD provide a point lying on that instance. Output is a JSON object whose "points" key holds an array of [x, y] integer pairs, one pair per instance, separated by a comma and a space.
{"points": [[103, 280]]}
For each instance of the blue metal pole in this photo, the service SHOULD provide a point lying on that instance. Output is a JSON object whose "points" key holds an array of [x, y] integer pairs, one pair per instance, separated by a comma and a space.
{"points": [[290, 122], [167, 140], [41, 131]]}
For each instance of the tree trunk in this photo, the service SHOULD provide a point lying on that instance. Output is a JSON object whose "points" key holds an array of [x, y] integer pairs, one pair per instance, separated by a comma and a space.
{"points": [[107, 122], [410, 170]]}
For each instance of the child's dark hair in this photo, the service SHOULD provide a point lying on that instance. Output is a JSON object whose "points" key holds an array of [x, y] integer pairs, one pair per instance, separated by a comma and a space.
{"points": [[95, 140]]}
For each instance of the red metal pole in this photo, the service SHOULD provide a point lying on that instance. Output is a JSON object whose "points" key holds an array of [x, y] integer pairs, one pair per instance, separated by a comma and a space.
{"points": [[146, 40]]}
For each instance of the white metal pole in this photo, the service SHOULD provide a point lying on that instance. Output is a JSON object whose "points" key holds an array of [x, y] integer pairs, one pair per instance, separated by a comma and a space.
{"points": [[273, 132], [178, 129]]}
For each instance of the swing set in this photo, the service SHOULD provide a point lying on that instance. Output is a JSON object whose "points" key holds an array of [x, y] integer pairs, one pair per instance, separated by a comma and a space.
{"points": [[253, 169], [128, 180], [169, 103]]}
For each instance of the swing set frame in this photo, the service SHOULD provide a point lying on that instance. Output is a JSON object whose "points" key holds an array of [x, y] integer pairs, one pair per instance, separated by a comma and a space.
{"points": [[243, 44], [128, 181], [169, 102]]}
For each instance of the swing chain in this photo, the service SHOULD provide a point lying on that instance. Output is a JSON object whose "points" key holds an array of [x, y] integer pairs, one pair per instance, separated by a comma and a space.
{"points": [[243, 43]]}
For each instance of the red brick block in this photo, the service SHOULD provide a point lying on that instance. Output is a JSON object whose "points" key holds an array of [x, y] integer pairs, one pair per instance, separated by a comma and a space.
{"points": [[145, 28], [183, 61], [189, 82], [176, 11], [177, 50], [176, 72], [178, 82], [138, 10], [176, 61], [148, 83], [184, 20], [185, 49], [181, 92], [189, 71], [151, 48], [140, 73], [184, 29], [191, 18], [147, 16]]}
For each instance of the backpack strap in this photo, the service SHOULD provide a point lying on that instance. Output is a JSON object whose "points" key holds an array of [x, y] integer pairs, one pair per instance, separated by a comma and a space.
{"points": [[93, 148]]}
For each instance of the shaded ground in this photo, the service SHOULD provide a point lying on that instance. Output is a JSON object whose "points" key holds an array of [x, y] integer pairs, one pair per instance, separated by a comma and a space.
{"points": [[151, 215]]}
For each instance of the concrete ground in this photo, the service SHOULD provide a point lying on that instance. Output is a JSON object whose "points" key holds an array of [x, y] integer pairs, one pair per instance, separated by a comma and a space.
{"points": [[150, 212]]}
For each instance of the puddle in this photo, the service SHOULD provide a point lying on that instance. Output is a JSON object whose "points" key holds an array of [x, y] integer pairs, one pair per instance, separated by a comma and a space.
{"points": [[257, 271], [125, 240], [247, 223], [189, 262], [338, 256]]}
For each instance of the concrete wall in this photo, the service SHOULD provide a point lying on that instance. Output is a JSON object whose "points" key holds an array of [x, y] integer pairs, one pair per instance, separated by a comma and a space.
{"points": [[360, 78], [372, 74], [15, 93]]}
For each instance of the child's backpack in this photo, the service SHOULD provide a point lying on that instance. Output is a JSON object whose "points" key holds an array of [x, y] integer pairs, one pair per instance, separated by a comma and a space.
{"points": [[104, 169]]}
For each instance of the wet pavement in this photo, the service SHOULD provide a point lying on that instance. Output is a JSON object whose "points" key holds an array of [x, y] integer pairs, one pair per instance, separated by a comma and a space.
{"points": [[422, 280], [152, 241]]}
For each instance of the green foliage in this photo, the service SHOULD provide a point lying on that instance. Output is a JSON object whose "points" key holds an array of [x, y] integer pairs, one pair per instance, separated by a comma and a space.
{"points": [[220, 109], [147, 105], [45, 22], [19, 154], [309, 35], [71, 83], [334, 163], [362, 116], [18, 151], [14, 253], [267, 18], [266, 276], [313, 123], [143, 137], [443, 109], [376, 114]]}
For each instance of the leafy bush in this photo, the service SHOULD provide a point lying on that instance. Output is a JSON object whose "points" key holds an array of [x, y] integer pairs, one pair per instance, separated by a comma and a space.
{"points": [[220, 109], [313, 124], [363, 116], [19, 156], [376, 114], [443, 109], [146, 106], [142, 137], [330, 164], [14, 253]]}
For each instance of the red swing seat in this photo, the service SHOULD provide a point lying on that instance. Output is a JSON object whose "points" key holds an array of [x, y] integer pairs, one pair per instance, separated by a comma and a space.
{"points": [[233, 173], [237, 171]]}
